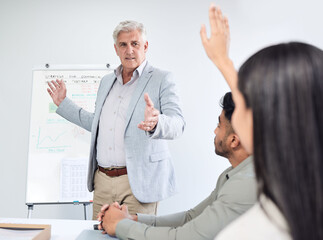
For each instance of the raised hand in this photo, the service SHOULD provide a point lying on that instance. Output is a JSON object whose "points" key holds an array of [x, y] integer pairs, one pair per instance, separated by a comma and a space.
{"points": [[57, 91], [217, 46], [151, 115]]}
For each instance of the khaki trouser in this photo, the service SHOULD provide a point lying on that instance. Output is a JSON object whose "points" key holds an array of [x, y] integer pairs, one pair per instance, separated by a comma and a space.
{"points": [[117, 189]]}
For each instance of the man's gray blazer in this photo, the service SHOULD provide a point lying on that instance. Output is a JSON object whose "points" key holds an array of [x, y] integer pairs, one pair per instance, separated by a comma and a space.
{"points": [[149, 165]]}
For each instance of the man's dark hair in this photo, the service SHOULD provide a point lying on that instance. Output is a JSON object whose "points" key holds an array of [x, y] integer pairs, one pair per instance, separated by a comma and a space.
{"points": [[283, 86], [227, 105]]}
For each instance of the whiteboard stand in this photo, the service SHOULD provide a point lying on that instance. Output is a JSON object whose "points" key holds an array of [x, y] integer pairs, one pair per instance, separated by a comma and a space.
{"points": [[31, 207]]}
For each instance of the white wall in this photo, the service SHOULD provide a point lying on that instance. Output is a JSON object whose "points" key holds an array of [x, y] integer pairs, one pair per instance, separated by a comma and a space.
{"points": [[34, 32]]}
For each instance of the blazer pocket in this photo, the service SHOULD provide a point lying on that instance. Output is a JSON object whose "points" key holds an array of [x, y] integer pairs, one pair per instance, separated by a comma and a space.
{"points": [[156, 157]]}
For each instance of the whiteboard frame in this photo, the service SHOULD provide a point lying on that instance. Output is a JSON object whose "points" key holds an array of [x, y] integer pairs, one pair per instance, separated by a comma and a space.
{"points": [[43, 67], [58, 67]]}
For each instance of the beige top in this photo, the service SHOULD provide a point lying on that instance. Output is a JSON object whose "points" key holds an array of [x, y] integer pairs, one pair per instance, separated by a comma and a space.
{"points": [[258, 224]]}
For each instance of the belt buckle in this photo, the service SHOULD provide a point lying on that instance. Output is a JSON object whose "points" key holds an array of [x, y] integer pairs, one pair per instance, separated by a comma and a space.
{"points": [[114, 171]]}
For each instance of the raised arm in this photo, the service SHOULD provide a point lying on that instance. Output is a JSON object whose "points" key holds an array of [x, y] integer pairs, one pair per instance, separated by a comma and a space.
{"points": [[67, 108], [217, 45]]}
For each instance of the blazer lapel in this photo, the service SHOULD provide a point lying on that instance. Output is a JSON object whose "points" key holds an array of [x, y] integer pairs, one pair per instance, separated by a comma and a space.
{"points": [[142, 82], [105, 91]]}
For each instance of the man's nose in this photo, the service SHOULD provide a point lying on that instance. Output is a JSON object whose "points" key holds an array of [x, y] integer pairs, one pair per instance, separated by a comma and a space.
{"points": [[129, 49], [216, 129]]}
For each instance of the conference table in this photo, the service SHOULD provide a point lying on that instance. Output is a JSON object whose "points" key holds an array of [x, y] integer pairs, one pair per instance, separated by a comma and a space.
{"points": [[64, 229]]}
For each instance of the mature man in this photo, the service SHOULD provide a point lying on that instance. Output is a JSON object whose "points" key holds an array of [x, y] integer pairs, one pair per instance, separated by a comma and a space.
{"points": [[234, 194], [129, 161]]}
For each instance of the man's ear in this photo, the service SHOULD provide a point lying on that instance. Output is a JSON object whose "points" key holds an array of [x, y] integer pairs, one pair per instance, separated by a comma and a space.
{"points": [[235, 141], [146, 46]]}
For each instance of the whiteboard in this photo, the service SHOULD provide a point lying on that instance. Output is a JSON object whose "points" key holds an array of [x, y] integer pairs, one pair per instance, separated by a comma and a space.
{"points": [[59, 150]]}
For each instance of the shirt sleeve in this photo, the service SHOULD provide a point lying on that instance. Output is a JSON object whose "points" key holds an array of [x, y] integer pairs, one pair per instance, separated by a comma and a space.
{"points": [[174, 226], [204, 221]]}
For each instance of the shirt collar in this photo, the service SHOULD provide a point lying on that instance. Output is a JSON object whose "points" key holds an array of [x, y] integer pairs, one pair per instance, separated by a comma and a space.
{"points": [[140, 69], [136, 74], [232, 171]]}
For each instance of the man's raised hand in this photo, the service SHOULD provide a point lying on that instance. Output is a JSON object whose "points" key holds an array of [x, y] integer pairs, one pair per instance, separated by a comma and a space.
{"points": [[57, 91]]}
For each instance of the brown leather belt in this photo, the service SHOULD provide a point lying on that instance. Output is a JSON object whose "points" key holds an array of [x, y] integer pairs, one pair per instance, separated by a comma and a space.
{"points": [[114, 172]]}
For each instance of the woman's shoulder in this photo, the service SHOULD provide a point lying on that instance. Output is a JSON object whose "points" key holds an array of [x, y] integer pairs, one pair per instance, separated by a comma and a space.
{"points": [[262, 221]]}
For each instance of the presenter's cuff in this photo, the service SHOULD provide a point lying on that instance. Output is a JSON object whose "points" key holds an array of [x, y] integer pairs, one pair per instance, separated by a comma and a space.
{"points": [[153, 132], [156, 132], [62, 106]]}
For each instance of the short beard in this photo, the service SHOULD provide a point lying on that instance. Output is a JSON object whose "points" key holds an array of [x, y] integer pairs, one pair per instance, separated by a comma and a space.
{"points": [[224, 153]]}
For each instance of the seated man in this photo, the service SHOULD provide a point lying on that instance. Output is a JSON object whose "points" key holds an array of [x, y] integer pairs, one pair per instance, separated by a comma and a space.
{"points": [[234, 194]]}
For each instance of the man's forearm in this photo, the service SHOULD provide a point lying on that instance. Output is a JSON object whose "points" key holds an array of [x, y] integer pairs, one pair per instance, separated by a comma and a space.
{"points": [[75, 114], [171, 220]]}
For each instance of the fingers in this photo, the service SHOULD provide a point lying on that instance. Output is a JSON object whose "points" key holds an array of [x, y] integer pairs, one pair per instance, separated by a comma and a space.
{"points": [[146, 126], [216, 18], [61, 83], [150, 106], [148, 101], [100, 216], [51, 87], [219, 19], [124, 208], [149, 124], [117, 205], [217, 25], [151, 115], [203, 34], [102, 211], [154, 113], [151, 120], [213, 18], [55, 83], [104, 207], [49, 92], [100, 227], [226, 25]]}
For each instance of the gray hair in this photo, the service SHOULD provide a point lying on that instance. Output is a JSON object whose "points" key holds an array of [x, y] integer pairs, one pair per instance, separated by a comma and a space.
{"points": [[129, 26]]}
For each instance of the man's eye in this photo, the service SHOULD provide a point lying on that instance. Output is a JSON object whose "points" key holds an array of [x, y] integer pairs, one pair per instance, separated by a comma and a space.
{"points": [[134, 43]]}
